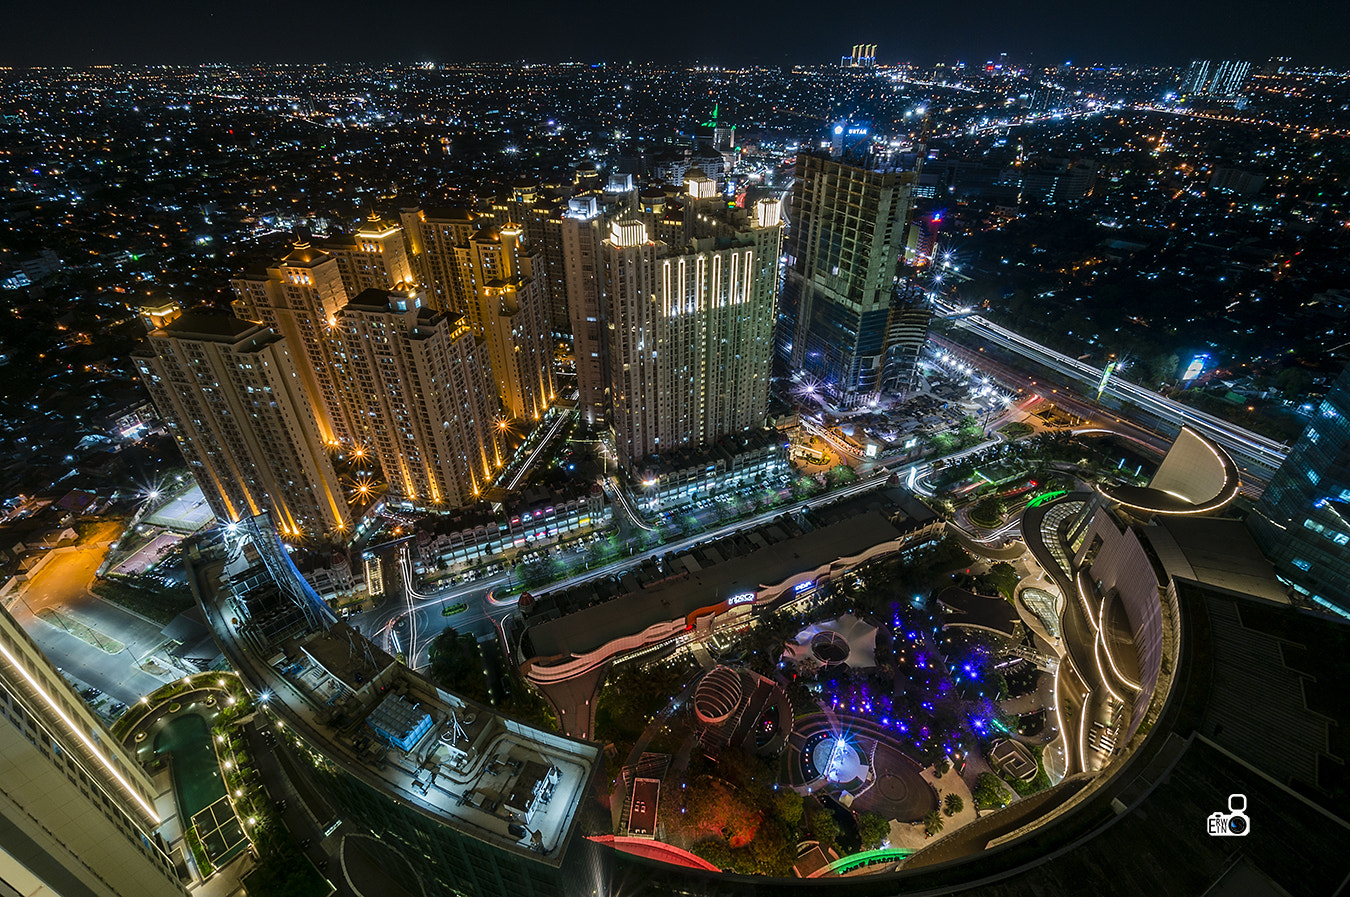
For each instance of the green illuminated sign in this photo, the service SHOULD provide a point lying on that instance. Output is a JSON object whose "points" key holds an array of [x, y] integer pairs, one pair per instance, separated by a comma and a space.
{"points": [[867, 858], [1106, 376], [1045, 497]]}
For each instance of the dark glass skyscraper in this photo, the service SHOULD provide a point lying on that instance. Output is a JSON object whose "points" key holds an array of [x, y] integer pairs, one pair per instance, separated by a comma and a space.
{"points": [[846, 235], [1302, 522]]}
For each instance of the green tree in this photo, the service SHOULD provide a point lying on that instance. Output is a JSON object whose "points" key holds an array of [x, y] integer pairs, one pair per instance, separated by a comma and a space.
{"points": [[932, 823], [970, 432], [715, 851], [988, 511], [989, 792], [943, 443], [822, 825], [1164, 367], [1003, 577], [457, 665], [873, 829], [940, 767], [953, 804], [1293, 382], [536, 573], [788, 806], [773, 849], [842, 474], [805, 487]]}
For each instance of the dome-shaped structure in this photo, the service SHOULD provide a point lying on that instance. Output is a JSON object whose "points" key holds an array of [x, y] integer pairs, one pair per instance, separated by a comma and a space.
{"points": [[717, 696], [829, 647]]}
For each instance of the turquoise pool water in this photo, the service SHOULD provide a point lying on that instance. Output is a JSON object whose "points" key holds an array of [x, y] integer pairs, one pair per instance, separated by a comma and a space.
{"points": [[196, 777]]}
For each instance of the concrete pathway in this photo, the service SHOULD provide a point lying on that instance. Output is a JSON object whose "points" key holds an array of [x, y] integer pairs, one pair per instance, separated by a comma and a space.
{"points": [[912, 836]]}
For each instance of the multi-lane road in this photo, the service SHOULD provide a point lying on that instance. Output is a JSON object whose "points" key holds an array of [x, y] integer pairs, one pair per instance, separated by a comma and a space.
{"points": [[1248, 448]]}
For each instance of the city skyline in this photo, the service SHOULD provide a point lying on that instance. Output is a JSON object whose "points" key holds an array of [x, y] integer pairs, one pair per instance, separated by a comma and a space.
{"points": [[521, 481]]}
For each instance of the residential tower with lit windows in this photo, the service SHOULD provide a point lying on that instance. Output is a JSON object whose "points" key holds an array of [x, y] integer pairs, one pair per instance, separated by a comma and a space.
{"points": [[688, 291], [425, 395], [846, 236], [233, 396], [298, 297]]}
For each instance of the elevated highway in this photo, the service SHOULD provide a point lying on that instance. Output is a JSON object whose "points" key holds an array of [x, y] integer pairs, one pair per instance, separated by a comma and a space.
{"points": [[1248, 448]]}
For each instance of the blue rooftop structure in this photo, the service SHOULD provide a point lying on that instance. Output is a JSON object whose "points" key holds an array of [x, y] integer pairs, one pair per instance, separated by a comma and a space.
{"points": [[399, 723]]}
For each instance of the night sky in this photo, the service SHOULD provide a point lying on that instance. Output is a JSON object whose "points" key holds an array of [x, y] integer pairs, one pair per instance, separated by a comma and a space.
{"points": [[793, 31]]}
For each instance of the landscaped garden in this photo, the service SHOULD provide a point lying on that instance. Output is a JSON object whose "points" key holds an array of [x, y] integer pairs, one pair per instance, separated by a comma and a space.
{"points": [[909, 687]]}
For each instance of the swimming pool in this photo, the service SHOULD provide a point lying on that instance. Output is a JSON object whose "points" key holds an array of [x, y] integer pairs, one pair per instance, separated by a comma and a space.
{"points": [[196, 775]]}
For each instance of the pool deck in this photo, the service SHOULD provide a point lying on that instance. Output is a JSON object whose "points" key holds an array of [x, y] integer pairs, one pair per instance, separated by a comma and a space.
{"points": [[227, 878]]}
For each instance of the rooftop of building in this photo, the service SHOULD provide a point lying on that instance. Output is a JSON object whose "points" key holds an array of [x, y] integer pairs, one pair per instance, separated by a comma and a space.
{"points": [[454, 214], [346, 655], [725, 449], [1196, 477], [378, 300], [978, 611], [304, 254], [896, 503], [872, 165], [1216, 553], [585, 617], [203, 325], [468, 770]]}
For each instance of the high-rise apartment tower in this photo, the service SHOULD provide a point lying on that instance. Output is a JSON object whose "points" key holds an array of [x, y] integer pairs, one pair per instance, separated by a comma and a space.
{"points": [[233, 397], [425, 392], [847, 231], [687, 294]]}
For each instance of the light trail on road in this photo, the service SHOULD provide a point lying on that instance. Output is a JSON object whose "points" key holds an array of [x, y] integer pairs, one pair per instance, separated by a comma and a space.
{"points": [[1263, 450], [534, 454], [615, 490]]}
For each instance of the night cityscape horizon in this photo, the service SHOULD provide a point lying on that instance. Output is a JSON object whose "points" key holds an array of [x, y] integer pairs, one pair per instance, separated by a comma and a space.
{"points": [[803, 471], [1151, 33]]}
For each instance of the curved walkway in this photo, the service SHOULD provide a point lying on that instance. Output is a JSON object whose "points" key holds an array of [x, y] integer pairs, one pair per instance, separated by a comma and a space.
{"points": [[1079, 693]]}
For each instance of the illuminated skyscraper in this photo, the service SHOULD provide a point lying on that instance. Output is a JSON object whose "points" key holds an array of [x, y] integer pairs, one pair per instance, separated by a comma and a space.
{"points": [[688, 320], [582, 261], [540, 215], [375, 257], [507, 305], [426, 397], [298, 297], [264, 402], [497, 279], [847, 231], [1225, 79], [1196, 78], [77, 813], [1229, 78], [1302, 521], [438, 238], [233, 397], [864, 56]]}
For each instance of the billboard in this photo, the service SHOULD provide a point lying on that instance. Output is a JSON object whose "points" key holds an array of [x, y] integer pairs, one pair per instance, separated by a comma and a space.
{"points": [[1194, 369]]}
